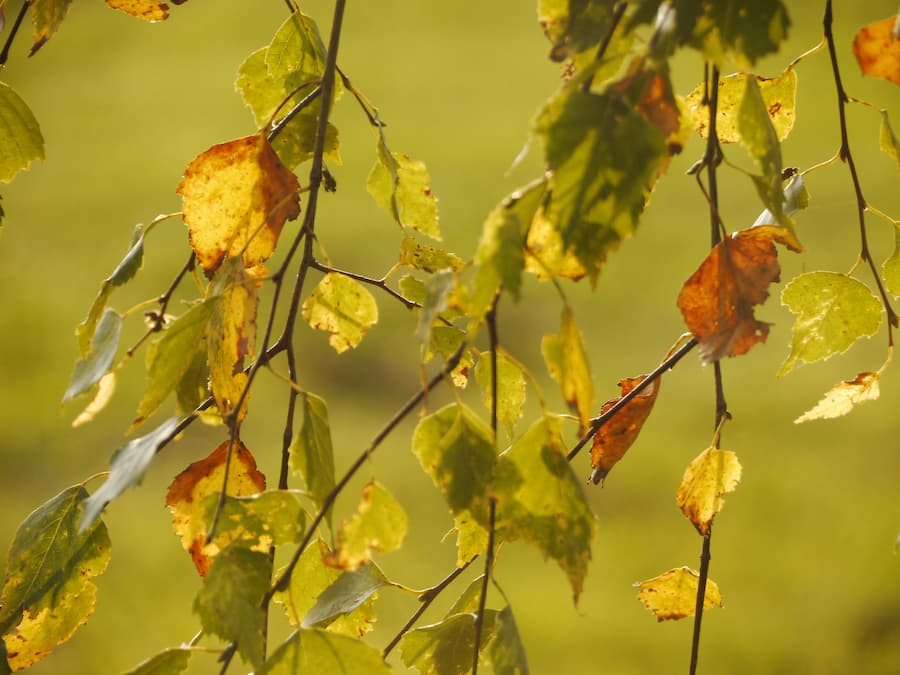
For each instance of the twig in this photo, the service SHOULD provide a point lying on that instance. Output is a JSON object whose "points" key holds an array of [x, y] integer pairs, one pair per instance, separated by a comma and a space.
{"points": [[159, 319], [701, 599], [491, 320], [293, 112], [618, 13], [378, 283], [226, 657], [488, 564], [4, 55]]}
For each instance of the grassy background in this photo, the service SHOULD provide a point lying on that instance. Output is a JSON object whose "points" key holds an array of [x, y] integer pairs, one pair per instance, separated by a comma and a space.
{"points": [[804, 549]]}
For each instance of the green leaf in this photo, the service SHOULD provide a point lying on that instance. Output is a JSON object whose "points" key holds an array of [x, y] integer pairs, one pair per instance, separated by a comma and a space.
{"points": [[833, 311], [228, 604], [297, 50], [566, 360], [510, 388], [401, 186], [573, 26], [47, 16], [170, 357], [48, 590], [349, 591], [540, 500], [193, 387], [888, 140], [312, 455], [469, 600], [126, 469], [506, 653], [22, 139], [426, 258], [759, 137], [319, 651], [890, 270], [342, 307], [169, 662], [445, 648], [97, 363], [379, 524], [438, 289], [271, 518]]}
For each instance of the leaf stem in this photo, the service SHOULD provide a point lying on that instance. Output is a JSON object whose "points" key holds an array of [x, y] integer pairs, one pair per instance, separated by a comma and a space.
{"points": [[491, 320], [482, 600]]}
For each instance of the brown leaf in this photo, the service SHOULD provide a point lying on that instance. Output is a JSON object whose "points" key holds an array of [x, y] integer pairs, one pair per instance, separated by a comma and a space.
{"points": [[148, 10], [877, 50], [717, 301], [618, 434]]}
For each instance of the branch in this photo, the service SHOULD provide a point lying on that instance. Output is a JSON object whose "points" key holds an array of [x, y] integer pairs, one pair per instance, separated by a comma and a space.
{"points": [[4, 55], [701, 598], [488, 564], [618, 13], [378, 283], [163, 300]]}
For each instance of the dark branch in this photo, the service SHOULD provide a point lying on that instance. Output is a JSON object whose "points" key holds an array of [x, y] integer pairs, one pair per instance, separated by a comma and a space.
{"points": [[482, 600], [4, 55]]}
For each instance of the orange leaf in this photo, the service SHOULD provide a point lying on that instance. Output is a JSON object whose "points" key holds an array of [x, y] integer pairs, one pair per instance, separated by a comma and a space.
{"points": [[237, 196], [204, 478], [148, 10], [717, 301], [877, 50], [618, 434]]}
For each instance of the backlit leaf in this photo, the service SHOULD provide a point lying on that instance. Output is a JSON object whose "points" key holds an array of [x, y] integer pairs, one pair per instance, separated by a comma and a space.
{"points": [[833, 311], [296, 50], [438, 289], [402, 187], [887, 140], [701, 494], [510, 388], [342, 307], [573, 26], [890, 270], [317, 651], [257, 521], [673, 594], [620, 431], [169, 662], [126, 469], [202, 478], [540, 500], [105, 389], [348, 592], [23, 142], [506, 653], [842, 398], [877, 50], [148, 10], [717, 301], [379, 524], [236, 198], [567, 362], [99, 360], [47, 16], [758, 135], [426, 258], [312, 455], [446, 648], [546, 255], [229, 602], [48, 591]]}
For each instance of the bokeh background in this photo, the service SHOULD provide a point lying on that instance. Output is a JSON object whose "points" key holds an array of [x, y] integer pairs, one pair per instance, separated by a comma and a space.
{"points": [[804, 551]]}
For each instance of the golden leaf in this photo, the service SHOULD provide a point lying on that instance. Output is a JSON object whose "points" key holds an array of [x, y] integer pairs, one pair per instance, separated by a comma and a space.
{"points": [[148, 10], [706, 480], [673, 594], [841, 399]]}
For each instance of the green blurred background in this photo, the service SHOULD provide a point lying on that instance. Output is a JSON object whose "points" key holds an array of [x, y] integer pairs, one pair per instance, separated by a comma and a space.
{"points": [[804, 550]]}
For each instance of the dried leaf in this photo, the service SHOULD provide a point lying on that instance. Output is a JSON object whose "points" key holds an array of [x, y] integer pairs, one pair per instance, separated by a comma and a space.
{"points": [[673, 594], [842, 398], [701, 494], [877, 50], [148, 10]]}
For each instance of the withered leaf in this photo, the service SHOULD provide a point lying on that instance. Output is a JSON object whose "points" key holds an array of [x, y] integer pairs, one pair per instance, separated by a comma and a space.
{"points": [[877, 50], [842, 398]]}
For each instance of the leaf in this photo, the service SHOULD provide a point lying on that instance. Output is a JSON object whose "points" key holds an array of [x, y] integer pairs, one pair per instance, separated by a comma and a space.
{"points": [[758, 135], [673, 594], [540, 500], [229, 602], [379, 524], [426, 258], [438, 289], [312, 455], [169, 662], [401, 186], [171, 356], [877, 50], [890, 270], [546, 256], [347, 593], [342, 307], [619, 432], [701, 494], [23, 141], [506, 653], [296, 50], [717, 301], [567, 362], [47, 16], [104, 344], [257, 521], [833, 311], [887, 140], [126, 469], [573, 27], [105, 390], [199, 480], [445, 648], [148, 10], [510, 388], [318, 651], [236, 198], [842, 398]]}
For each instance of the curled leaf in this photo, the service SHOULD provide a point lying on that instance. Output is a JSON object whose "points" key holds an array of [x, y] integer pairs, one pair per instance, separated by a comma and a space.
{"points": [[877, 50], [673, 594], [842, 398], [706, 480]]}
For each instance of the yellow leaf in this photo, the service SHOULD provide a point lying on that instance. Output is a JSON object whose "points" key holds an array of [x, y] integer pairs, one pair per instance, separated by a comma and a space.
{"points": [[673, 594], [567, 362], [706, 480], [379, 524], [201, 479], [237, 197], [105, 389], [342, 307], [148, 10], [840, 399]]}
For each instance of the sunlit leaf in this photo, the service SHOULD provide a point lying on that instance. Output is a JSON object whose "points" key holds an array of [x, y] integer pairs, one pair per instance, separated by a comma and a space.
{"points": [[510, 387], [426, 258], [193, 388], [506, 653], [438, 290], [296, 50], [402, 187], [620, 431], [48, 591], [540, 500], [717, 301], [379, 524], [106, 387], [673, 594], [47, 16], [229, 603], [833, 311], [887, 140], [567, 362], [317, 651], [342, 307], [312, 455], [842, 398], [701, 494], [257, 521], [758, 135], [573, 27], [546, 255], [446, 648], [23, 142], [890, 270], [99, 360], [877, 50], [148, 10], [348, 592], [126, 469], [237, 196], [169, 662]]}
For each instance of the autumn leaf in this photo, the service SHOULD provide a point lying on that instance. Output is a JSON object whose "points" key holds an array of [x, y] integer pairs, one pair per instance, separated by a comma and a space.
{"points": [[202, 478], [842, 398], [311, 452], [545, 254], [567, 362], [620, 431], [237, 197], [717, 301], [47, 16], [673, 594], [510, 387], [379, 524], [23, 141], [148, 10], [706, 480], [426, 258], [348, 593], [877, 50], [312, 650], [168, 662], [342, 307]]}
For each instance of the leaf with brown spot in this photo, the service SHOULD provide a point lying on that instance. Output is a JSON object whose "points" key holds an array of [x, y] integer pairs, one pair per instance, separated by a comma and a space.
{"points": [[673, 594], [620, 432], [47, 16], [877, 50], [148, 10], [706, 480], [237, 197], [717, 300], [201, 479], [841, 399]]}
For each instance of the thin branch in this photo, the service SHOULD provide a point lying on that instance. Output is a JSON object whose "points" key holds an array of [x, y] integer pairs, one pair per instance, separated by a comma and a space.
{"points": [[226, 657], [4, 55], [220, 503], [488, 565], [378, 283], [159, 317], [618, 13], [705, 557], [288, 435], [491, 320], [293, 112]]}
